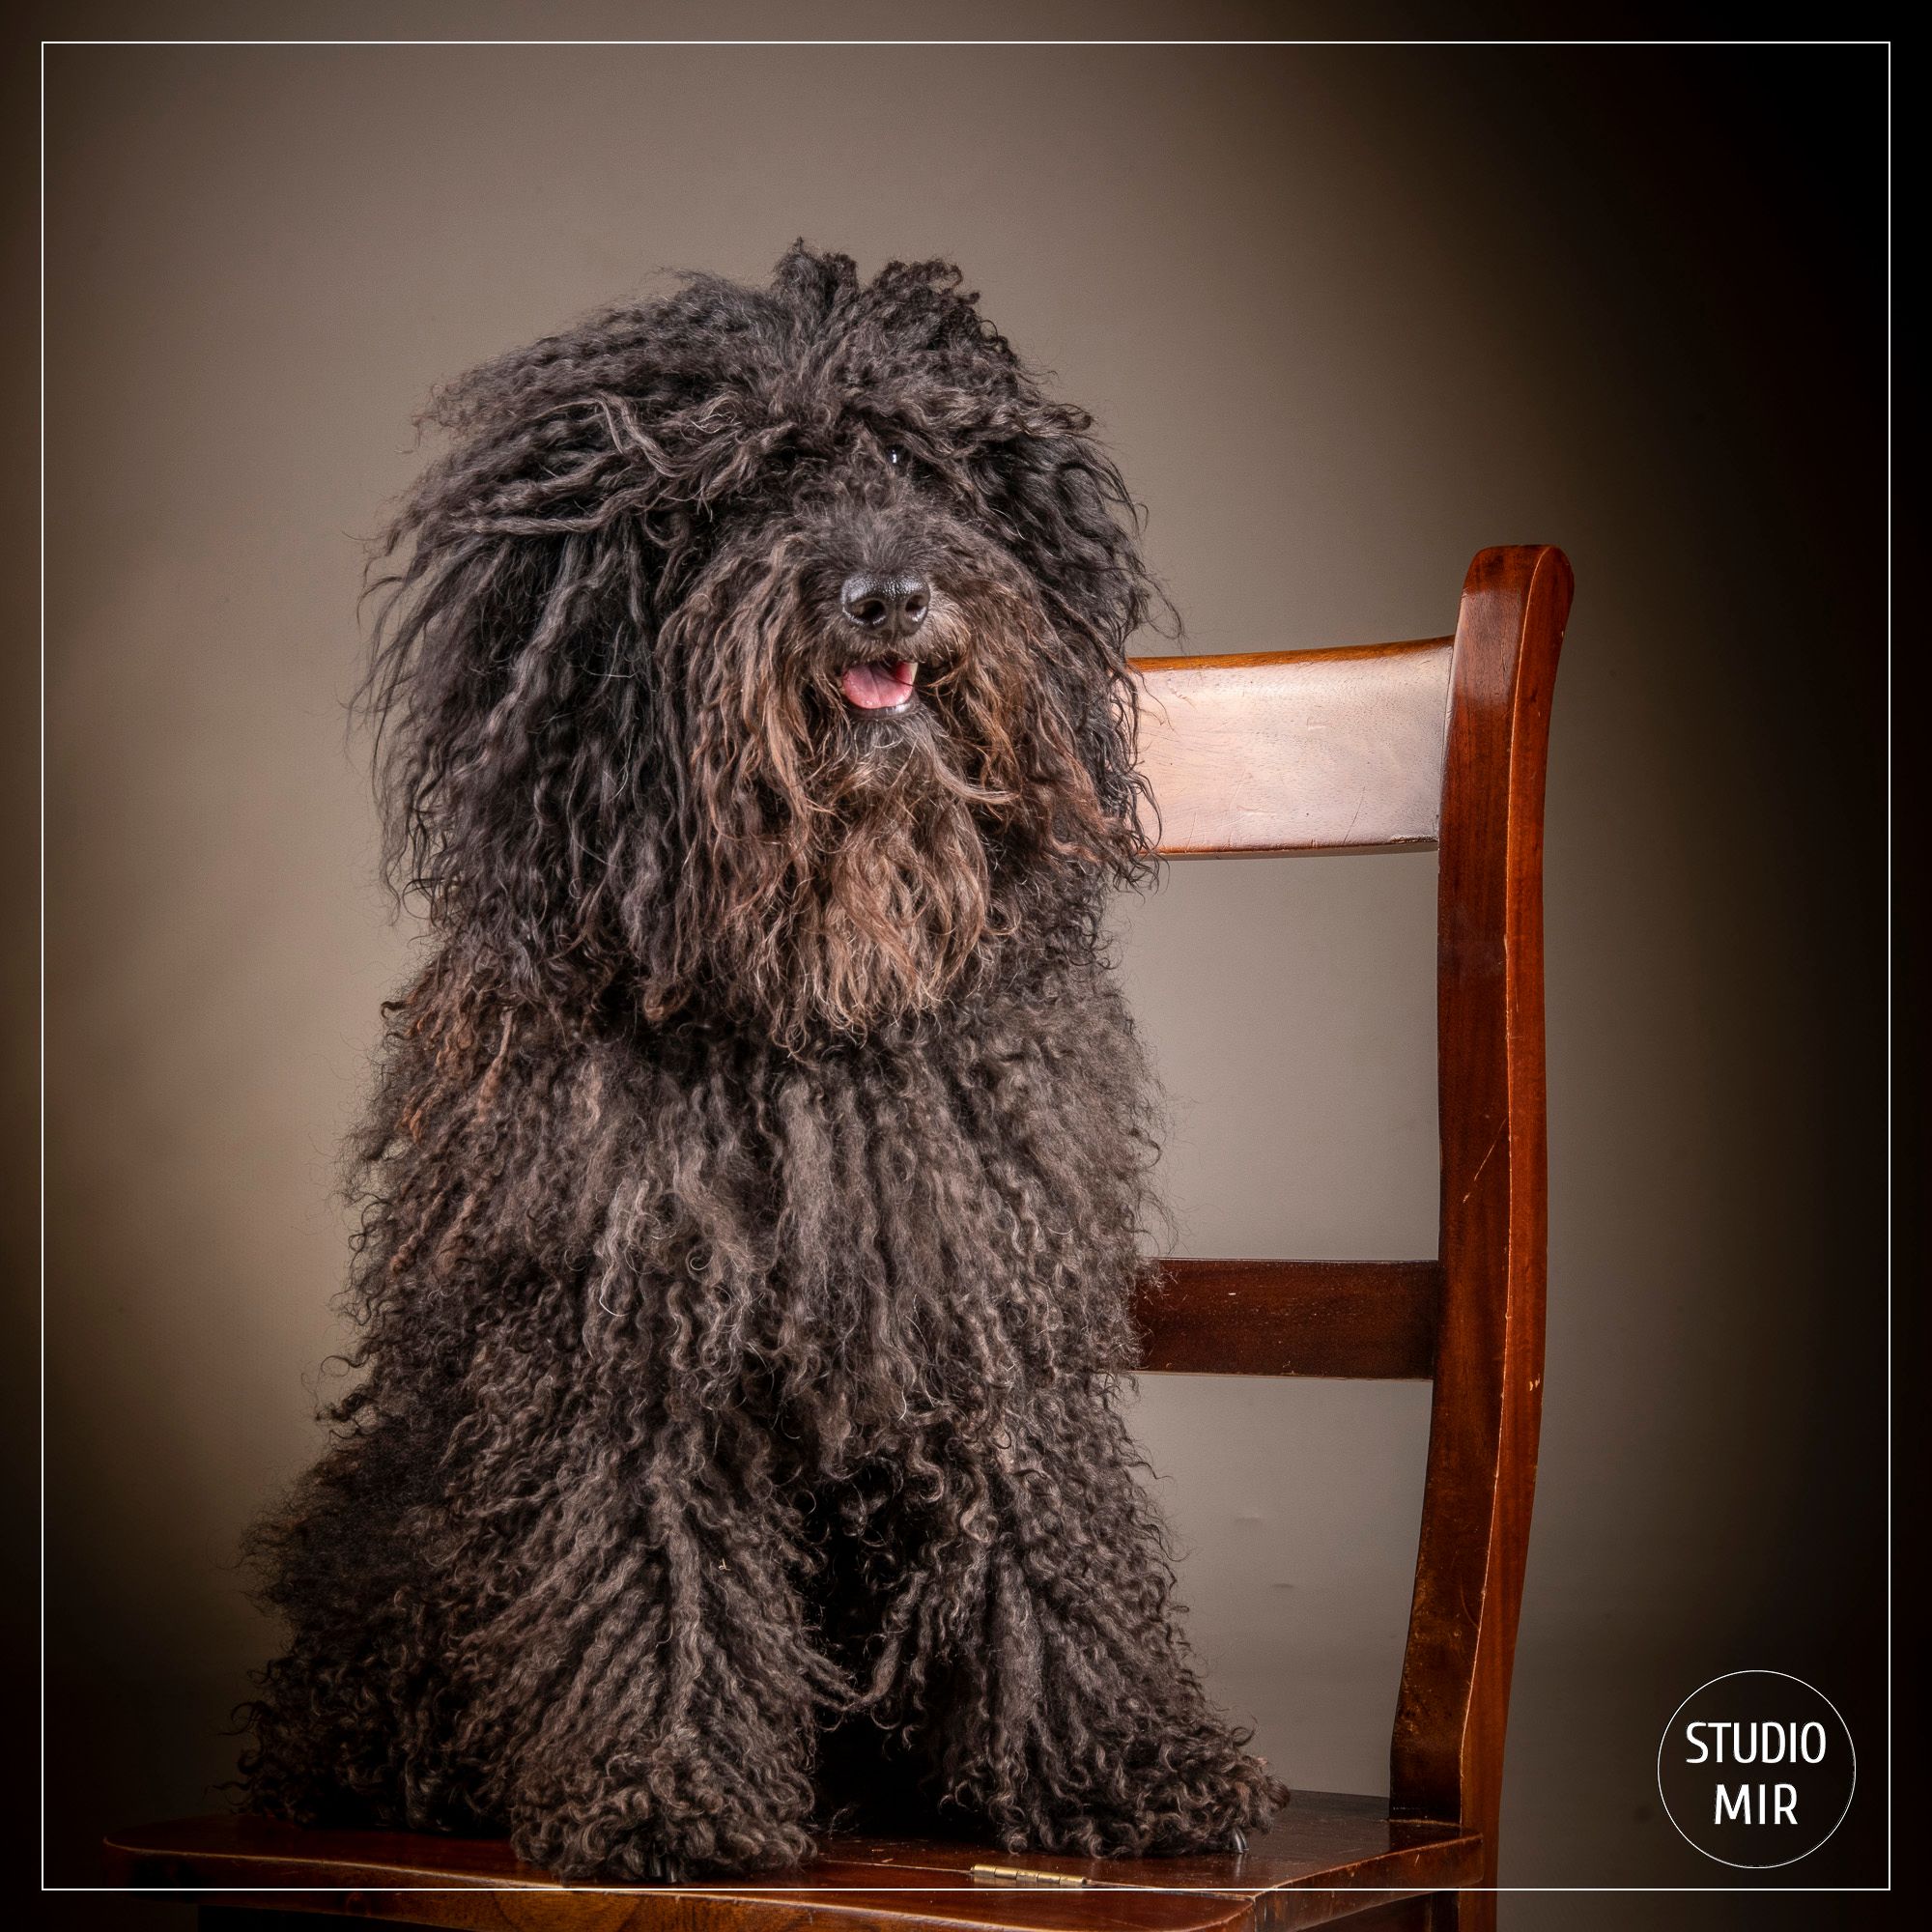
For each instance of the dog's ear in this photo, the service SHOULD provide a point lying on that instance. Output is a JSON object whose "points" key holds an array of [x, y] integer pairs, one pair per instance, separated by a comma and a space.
{"points": [[1075, 525], [1066, 513], [512, 680]]}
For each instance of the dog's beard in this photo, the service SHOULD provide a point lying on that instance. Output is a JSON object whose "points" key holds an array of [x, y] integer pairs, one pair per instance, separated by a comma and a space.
{"points": [[842, 867], [887, 903]]}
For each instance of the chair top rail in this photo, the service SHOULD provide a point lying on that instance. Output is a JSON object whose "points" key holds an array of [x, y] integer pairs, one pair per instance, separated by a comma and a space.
{"points": [[1279, 751]]}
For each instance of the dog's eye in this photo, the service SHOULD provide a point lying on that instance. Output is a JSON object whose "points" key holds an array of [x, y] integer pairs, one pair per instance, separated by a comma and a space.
{"points": [[896, 455]]}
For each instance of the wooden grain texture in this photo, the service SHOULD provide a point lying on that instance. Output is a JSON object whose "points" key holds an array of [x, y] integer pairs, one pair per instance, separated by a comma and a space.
{"points": [[1361, 1320], [1296, 751], [1326, 1855], [1447, 1751]]}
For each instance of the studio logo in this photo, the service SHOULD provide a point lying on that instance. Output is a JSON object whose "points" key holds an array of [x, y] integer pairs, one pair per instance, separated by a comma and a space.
{"points": [[1756, 1769]]}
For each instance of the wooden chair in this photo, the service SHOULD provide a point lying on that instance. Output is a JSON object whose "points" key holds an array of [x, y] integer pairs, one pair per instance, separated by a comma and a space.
{"points": [[1382, 748]]}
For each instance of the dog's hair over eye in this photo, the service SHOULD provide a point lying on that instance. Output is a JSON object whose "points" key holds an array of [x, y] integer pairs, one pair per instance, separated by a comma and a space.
{"points": [[610, 642]]}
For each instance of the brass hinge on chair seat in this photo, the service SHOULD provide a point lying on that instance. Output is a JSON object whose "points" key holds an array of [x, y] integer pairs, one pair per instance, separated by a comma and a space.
{"points": [[1019, 1875]]}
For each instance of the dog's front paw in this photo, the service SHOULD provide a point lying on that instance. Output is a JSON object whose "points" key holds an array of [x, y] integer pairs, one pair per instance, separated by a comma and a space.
{"points": [[1207, 1806], [666, 1817], [1201, 1794]]}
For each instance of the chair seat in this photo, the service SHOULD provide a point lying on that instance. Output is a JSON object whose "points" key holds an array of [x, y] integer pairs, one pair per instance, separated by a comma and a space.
{"points": [[1327, 1857]]}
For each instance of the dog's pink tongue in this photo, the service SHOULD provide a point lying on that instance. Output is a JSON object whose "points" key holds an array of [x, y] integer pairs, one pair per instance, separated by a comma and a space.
{"points": [[878, 687]]}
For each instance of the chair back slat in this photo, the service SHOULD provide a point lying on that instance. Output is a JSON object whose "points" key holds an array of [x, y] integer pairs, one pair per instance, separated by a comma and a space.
{"points": [[1365, 1321], [1296, 751]]}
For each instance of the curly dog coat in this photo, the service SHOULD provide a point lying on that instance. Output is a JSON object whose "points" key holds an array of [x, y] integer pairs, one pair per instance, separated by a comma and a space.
{"points": [[752, 1195]]}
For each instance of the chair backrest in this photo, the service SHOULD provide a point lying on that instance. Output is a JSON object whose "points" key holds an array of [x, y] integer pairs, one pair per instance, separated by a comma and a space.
{"points": [[1384, 747]]}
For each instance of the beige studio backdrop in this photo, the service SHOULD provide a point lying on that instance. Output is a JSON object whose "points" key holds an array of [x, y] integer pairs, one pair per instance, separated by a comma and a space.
{"points": [[1344, 316]]}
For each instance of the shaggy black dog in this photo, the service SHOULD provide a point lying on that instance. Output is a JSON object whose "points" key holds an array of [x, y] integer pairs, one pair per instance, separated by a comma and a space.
{"points": [[753, 1193]]}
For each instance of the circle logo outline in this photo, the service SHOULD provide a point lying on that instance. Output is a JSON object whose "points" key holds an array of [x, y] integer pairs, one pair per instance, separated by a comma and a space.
{"points": [[1774, 1865]]}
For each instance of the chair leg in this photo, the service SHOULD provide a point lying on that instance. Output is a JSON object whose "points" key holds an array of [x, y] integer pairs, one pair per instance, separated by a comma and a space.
{"points": [[1465, 1912]]}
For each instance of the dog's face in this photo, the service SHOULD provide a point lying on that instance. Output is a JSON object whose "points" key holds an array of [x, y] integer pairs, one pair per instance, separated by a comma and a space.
{"points": [[762, 651]]}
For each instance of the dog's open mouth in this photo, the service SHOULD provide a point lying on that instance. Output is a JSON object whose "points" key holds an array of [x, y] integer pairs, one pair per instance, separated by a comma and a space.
{"points": [[886, 685]]}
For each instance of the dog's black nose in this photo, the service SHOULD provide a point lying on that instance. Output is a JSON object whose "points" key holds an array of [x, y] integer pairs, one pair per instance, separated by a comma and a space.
{"points": [[891, 607]]}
